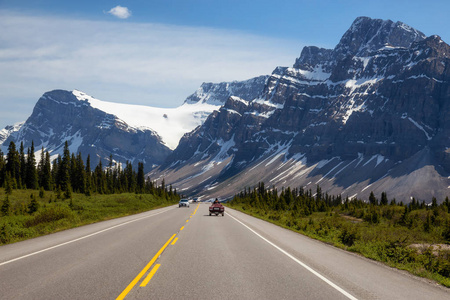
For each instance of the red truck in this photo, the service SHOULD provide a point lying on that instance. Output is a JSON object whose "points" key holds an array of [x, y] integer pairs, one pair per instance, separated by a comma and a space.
{"points": [[217, 208]]}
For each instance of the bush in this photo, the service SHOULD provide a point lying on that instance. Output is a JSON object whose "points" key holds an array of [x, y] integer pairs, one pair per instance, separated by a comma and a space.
{"points": [[51, 214], [11, 231], [397, 252], [33, 206], [348, 235], [373, 216]]}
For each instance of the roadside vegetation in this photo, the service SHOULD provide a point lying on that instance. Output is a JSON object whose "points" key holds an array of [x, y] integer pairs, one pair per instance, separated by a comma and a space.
{"points": [[413, 237], [28, 215], [37, 199]]}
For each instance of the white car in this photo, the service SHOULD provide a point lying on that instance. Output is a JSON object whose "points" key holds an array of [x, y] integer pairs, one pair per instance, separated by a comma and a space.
{"points": [[183, 202]]}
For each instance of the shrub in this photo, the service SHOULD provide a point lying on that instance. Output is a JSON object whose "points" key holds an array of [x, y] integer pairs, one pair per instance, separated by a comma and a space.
{"points": [[348, 235], [50, 214], [33, 206]]}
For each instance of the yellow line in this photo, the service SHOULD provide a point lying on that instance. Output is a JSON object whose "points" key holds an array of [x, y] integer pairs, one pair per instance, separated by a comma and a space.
{"points": [[181, 228], [198, 205], [150, 275], [144, 270], [174, 241], [187, 221]]}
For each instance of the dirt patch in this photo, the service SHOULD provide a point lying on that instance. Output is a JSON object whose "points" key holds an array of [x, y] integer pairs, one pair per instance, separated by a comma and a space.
{"points": [[352, 219], [436, 248]]}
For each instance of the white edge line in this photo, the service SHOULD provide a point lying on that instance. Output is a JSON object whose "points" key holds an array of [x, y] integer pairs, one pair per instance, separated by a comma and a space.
{"points": [[80, 238], [339, 289]]}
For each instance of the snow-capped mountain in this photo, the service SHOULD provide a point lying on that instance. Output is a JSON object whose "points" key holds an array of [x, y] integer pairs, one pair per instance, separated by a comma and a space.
{"points": [[372, 114], [127, 132], [61, 116]]}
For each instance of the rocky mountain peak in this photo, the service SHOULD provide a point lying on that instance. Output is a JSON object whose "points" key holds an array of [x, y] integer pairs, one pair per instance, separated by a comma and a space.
{"points": [[366, 35], [312, 56]]}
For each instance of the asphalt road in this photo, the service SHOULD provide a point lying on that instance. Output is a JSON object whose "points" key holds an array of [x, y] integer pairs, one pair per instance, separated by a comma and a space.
{"points": [[192, 255]]}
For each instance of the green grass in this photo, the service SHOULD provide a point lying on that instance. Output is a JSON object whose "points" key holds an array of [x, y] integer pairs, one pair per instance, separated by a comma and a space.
{"points": [[56, 214]]}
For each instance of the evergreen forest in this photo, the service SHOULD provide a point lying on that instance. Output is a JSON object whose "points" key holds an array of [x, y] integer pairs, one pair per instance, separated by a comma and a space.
{"points": [[41, 197]]}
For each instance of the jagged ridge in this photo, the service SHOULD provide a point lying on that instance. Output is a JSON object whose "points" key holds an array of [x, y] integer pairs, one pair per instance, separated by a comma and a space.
{"points": [[373, 112]]}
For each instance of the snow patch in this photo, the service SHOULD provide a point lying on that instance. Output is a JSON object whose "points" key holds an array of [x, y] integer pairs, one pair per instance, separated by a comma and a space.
{"points": [[380, 158], [329, 172], [317, 73], [170, 123], [234, 98], [420, 127]]}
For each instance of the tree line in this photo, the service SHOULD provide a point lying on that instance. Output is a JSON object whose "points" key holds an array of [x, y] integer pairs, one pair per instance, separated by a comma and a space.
{"points": [[291, 206], [68, 173], [303, 203]]}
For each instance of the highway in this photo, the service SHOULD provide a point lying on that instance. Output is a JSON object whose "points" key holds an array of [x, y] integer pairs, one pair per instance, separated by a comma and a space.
{"points": [[183, 253]]}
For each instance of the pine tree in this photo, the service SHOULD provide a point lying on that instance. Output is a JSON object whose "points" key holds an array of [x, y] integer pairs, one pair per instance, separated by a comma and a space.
{"points": [[13, 162], [99, 178], [58, 192], [434, 202], [384, 199], [446, 232], [64, 168], [21, 181], [372, 199], [88, 188], [47, 179], [40, 167], [2, 168], [109, 175], [31, 173], [41, 192], [130, 177], [55, 171], [446, 204], [5, 206], [9, 184], [68, 192], [33, 206], [73, 173], [318, 192], [140, 178], [149, 187], [80, 174]]}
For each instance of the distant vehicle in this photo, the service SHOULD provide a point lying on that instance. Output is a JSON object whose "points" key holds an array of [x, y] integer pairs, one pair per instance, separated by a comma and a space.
{"points": [[195, 200], [217, 208], [183, 202]]}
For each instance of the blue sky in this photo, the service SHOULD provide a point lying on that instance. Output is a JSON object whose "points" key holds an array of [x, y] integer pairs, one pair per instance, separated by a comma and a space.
{"points": [[158, 52]]}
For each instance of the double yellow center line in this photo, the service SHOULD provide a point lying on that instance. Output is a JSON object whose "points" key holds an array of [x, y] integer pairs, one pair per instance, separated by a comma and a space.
{"points": [[148, 266]]}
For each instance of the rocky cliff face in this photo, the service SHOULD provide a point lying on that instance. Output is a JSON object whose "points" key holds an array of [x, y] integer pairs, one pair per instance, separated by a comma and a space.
{"points": [[372, 114]]}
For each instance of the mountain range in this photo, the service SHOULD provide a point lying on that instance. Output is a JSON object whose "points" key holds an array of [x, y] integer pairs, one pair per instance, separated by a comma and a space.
{"points": [[372, 114]]}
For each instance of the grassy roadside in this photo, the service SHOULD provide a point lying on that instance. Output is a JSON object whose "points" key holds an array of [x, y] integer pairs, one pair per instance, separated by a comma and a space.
{"points": [[409, 248], [31, 214]]}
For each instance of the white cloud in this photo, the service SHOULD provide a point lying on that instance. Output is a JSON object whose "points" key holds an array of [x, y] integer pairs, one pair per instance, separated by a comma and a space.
{"points": [[120, 12], [148, 64]]}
